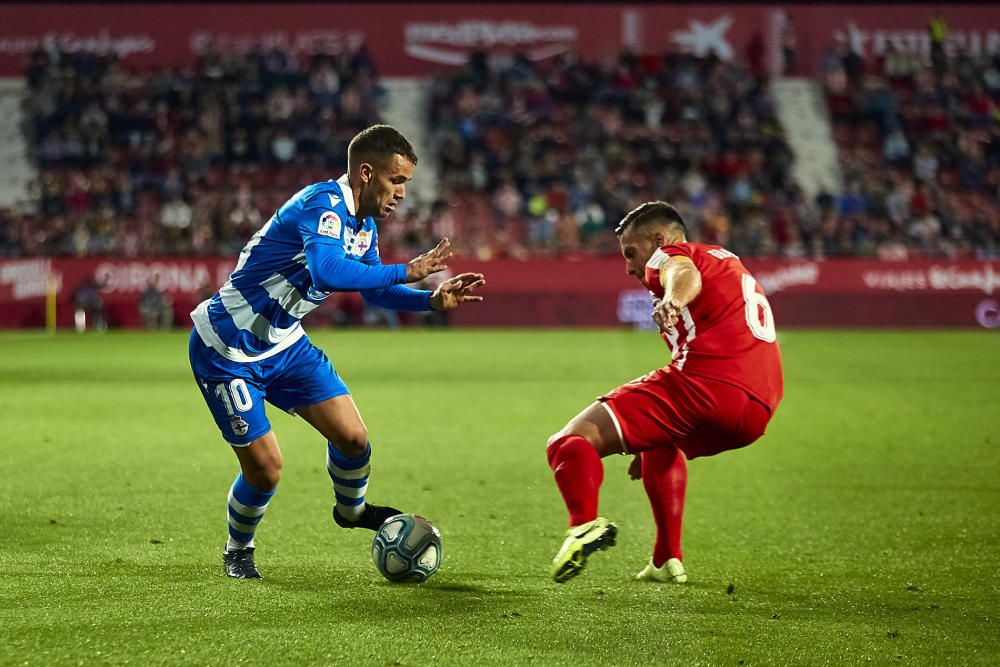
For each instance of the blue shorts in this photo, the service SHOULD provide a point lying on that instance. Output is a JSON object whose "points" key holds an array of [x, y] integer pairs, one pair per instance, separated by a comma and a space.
{"points": [[235, 391]]}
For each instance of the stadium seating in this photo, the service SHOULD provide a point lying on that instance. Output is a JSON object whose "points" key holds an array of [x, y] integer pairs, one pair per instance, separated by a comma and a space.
{"points": [[536, 158], [560, 150], [180, 160], [588, 143], [922, 149]]}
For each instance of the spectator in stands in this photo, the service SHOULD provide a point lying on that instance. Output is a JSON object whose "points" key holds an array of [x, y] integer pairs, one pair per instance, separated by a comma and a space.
{"points": [[899, 64], [925, 162], [937, 28], [175, 220], [155, 306], [852, 201], [88, 307], [853, 65], [895, 148], [788, 45]]}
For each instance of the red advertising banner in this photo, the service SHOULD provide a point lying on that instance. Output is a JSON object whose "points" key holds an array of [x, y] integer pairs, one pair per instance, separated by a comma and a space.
{"points": [[413, 39], [586, 292]]}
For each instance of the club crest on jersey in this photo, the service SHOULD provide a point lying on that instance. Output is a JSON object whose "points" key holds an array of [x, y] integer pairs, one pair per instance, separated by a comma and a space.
{"points": [[363, 241], [358, 242], [330, 225], [239, 426]]}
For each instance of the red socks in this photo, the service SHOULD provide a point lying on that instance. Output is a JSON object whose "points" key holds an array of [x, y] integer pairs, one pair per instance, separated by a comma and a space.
{"points": [[579, 474], [664, 475]]}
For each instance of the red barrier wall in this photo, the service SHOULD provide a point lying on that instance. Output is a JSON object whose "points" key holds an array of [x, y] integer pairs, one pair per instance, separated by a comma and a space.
{"points": [[413, 39], [566, 292]]}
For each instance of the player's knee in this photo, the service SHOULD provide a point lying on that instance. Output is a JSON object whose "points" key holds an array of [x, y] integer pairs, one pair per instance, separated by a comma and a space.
{"points": [[271, 477], [556, 440], [264, 478], [582, 429], [352, 443], [552, 447]]}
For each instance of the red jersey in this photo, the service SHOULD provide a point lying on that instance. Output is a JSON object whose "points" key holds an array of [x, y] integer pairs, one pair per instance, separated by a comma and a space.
{"points": [[727, 332]]}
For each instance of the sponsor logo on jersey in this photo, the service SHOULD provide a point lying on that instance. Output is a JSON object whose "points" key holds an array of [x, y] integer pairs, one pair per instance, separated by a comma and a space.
{"points": [[330, 225], [239, 426]]}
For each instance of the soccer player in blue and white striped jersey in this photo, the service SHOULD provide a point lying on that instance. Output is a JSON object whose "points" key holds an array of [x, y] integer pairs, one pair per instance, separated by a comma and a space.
{"points": [[248, 345]]}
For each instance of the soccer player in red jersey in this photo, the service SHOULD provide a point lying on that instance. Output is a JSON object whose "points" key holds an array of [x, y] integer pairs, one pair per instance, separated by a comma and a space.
{"points": [[718, 392]]}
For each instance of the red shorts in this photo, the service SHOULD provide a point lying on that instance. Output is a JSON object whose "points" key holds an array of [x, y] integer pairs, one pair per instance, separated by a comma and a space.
{"points": [[701, 417]]}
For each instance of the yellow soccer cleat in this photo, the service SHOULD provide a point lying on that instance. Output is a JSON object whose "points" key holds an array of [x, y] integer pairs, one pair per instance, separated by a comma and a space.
{"points": [[580, 542], [672, 572]]}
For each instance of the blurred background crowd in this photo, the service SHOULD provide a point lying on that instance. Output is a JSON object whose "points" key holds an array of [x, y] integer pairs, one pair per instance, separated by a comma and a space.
{"points": [[536, 158]]}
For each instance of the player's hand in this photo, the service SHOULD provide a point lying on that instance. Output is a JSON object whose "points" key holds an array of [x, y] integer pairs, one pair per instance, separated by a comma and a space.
{"points": [[430, 262], [635, 468], [457, 290], [666, 312]]}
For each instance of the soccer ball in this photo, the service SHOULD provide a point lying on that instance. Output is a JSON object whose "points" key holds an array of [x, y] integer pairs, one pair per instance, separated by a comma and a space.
{"points": [[407, 548]]}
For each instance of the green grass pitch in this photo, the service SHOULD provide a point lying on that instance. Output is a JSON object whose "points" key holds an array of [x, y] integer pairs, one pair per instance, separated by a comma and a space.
{"points": [[864, 527]]}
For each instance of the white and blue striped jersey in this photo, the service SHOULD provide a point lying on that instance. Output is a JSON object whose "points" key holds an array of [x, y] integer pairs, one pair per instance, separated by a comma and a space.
{"points": [[312, 246]]}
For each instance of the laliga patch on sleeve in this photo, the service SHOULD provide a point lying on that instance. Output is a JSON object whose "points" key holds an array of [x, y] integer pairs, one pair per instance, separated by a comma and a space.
{"points": [[329, 224]]}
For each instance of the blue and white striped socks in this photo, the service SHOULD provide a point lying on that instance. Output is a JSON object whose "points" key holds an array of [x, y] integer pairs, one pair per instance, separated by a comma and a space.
{"points": [[246, 509], [350, 480]]}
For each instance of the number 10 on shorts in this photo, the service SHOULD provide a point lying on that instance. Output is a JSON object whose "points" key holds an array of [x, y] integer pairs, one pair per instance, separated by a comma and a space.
{"points": [[235, 394]]}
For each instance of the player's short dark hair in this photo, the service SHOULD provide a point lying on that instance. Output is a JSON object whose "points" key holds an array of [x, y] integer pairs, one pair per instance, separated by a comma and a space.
{"points": [[378, 142], [652, 211]]}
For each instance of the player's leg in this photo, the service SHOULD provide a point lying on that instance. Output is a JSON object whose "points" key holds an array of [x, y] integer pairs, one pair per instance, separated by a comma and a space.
{"points": [[348, 461], [574, 454], [664, 477], [236, 401], [729, 419], [249, 496], [657, 413], [306, 384]]}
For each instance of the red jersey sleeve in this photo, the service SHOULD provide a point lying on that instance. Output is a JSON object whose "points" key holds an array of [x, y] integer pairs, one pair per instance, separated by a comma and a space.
{"points": [[679, 250], [661, 256]]}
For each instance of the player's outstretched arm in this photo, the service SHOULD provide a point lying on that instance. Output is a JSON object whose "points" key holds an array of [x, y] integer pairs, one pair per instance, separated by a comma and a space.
{"points": [[457, 290], [430, 262], [681, 282]]}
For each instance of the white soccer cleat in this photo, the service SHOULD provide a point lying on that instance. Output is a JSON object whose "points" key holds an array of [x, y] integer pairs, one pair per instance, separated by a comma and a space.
{"points": [[672, 572]]}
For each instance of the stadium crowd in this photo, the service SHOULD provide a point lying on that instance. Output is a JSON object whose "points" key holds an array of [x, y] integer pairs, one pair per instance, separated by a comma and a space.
{"points": [[180, 160], [920, 151], [536, 158], [562, 149]]}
